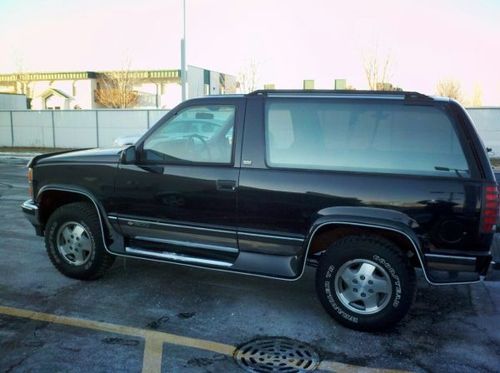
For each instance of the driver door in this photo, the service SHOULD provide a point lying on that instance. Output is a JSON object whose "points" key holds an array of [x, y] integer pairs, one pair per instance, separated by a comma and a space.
{"points": [[178, 201]]}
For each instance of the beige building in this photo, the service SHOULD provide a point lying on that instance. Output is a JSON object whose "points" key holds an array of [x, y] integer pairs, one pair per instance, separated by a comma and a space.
{"points": [[91, 90]]}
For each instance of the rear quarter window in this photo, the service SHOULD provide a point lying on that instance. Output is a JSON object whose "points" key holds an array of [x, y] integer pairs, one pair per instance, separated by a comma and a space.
{"points": [[362, 136]]}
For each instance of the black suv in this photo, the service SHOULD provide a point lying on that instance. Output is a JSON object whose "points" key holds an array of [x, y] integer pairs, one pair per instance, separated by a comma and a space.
{"points": [[367, 186]]}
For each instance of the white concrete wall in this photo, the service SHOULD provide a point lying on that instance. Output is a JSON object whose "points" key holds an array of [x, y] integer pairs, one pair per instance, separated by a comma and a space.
{"points": [[80, 128], [73, 128], [155, 116], [115, 123], [12, 102], [487, 123], [33, 128], [5, 129]]}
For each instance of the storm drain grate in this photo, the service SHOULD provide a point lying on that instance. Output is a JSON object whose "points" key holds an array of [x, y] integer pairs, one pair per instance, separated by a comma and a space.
{"points": [[276, 355]]}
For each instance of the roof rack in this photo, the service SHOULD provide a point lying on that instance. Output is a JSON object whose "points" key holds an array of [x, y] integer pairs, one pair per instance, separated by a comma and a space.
{"points": [[408, 95]]}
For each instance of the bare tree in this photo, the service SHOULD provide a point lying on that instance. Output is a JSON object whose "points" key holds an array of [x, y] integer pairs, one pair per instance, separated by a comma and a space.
{"points": [[378, 71], [116, 89], [477, 96], [248, 78], [450, 88]]}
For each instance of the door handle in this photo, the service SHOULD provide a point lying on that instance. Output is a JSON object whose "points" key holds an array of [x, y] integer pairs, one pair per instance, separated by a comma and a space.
{"points": [[226, 185]]}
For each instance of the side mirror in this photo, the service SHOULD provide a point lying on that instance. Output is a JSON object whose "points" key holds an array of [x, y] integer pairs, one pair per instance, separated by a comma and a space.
{"points": [[128, 155]]}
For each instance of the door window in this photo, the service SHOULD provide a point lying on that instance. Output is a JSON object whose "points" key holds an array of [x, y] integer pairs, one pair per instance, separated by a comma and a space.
{"points": [[200, 134]]}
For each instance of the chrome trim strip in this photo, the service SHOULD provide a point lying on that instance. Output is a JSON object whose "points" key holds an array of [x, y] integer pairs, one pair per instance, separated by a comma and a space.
{"points": [[196, 245], [176, 225], [442, 256], [177, 257], [420, 259], [300, 240], [112, 218], [338, 95], [29, 205]]}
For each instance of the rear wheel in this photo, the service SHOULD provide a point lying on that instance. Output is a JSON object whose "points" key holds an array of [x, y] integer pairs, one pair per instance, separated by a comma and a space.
{"points": [[74, 242], [365, 282]]}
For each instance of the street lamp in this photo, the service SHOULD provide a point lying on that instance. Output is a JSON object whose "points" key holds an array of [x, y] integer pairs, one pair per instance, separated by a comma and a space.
{"points": [[183, 54]]}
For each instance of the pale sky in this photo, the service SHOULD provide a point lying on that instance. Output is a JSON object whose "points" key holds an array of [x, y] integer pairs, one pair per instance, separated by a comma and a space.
{"points": [[292, 40]]}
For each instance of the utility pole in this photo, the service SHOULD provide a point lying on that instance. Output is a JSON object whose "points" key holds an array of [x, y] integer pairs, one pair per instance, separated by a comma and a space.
{"points": [[183, 53]]}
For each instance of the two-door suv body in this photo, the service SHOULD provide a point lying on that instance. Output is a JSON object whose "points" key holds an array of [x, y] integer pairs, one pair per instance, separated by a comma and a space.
{"points": [[367, 186]]}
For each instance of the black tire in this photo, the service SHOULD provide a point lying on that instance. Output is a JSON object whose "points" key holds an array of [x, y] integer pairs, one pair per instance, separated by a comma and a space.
{"points": [[391, 272], [96, 260]]}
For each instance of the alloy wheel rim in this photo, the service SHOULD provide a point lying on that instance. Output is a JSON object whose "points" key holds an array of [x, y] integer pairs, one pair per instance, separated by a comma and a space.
{"points": [[363, 286], [74, 243]]}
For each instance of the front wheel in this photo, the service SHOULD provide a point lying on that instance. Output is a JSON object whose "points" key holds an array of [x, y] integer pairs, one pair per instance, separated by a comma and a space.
{"points": [[74, 242], [365, 282]]}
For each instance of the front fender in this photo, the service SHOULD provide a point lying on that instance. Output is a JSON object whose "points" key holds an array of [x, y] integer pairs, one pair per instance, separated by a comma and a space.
{"points": [[116, 243]]}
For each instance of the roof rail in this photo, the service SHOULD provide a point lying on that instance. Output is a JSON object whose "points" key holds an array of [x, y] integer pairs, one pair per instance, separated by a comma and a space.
{"points": [[408, 95]]}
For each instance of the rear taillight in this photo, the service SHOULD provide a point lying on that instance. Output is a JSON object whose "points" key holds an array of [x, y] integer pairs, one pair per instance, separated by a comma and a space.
{"points": [[489, 210], [30, 181]]}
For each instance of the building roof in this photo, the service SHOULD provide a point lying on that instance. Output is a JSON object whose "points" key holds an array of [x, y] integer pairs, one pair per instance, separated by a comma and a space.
{"points": [[54, 91], [33, 76], [81, 75]]}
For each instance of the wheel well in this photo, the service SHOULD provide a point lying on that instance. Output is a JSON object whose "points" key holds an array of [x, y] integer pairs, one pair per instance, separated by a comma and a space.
{"points": [[51, 200], [330, 233]]}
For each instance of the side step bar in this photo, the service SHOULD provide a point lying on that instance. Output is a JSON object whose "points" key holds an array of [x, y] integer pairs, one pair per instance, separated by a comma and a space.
{"points": [[176, 257]]}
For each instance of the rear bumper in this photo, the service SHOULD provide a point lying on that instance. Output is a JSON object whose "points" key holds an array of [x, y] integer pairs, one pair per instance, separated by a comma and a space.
{"points": [[457, 269], [31, 212], [494, 270]]}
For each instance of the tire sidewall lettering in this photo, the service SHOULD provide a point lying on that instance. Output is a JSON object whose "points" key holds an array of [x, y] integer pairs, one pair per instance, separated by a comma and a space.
{"points": [[396, 280], [331, 300], [52, 242]]}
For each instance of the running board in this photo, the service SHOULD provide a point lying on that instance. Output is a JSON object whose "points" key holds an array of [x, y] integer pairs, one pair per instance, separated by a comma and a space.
{"points": [[177, 257]]}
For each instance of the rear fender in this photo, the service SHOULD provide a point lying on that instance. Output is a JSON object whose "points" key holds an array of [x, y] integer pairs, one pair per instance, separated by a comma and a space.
{"points": [[368, 217]]}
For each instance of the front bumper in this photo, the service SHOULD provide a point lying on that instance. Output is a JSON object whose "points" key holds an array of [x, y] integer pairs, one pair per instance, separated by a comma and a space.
{"points": [[31, 212]]}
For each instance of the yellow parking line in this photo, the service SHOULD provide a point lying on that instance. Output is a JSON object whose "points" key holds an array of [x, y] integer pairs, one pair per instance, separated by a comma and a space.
{"points": [[154, 340], [153, 353], [120, 329]]}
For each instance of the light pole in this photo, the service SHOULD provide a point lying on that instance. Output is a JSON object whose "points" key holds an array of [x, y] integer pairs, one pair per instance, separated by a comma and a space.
{"points": [[183, 52]]}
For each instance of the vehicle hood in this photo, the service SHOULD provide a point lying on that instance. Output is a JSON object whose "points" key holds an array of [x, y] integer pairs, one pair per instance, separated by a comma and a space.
{"points": [[111, 155]]}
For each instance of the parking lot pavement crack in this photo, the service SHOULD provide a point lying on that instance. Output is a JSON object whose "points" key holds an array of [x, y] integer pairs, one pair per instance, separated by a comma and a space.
{"points": [[13, 367]]}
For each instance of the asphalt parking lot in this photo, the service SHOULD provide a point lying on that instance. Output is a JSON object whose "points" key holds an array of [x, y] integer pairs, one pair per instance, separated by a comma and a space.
{"points": [[145, 316]]}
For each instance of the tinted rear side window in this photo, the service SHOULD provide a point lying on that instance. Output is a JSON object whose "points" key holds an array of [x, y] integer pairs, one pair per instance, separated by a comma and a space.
{"points": [[369, 136]]}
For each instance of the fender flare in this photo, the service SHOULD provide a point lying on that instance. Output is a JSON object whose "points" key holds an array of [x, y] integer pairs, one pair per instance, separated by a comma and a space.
{"points": [[99, 208], [368, 217]]}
